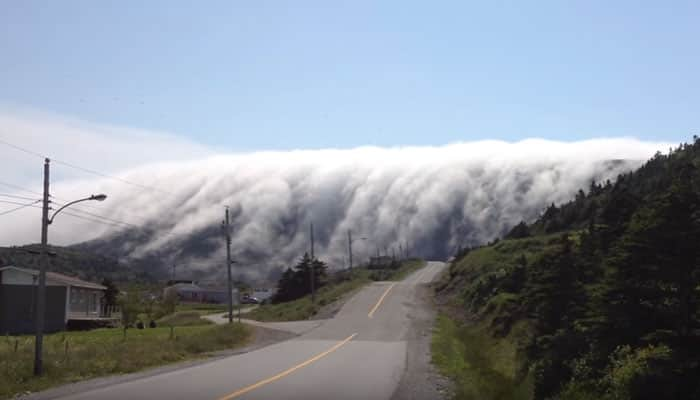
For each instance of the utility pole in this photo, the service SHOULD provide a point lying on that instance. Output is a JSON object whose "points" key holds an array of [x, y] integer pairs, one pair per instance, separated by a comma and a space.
{"points": [[312, 268], [401, 252], [227, 233], [41, 291], [350, 248]]}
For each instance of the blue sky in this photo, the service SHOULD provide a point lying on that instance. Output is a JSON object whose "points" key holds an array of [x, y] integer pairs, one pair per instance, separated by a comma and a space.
{"points": [[252, 75]]}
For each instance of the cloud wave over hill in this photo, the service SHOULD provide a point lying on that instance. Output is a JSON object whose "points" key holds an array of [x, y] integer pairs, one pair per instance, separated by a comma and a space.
{"points": [[429, 199]]}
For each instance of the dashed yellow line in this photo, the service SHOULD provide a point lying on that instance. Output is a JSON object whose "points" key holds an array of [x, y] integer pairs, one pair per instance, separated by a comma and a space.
{"points": [[376, 306], [287, 372]]}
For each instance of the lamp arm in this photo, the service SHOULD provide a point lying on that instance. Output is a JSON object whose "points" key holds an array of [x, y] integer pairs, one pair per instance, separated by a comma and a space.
{"points": [[66, 206]]}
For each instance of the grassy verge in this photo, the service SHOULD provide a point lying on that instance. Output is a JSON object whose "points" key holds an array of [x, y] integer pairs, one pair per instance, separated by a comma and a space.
{"points": [[202, 308], [183, 318], [75, 356], [302, 308], [482, 367], [406, 269], [483, 358]]}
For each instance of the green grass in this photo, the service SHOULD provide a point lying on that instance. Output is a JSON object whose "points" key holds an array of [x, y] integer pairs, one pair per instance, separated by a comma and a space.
{"points": [[483, 357], [301, 309], [482, 367], [183, 318], [406, 269], [75, 356], [202, 308]]}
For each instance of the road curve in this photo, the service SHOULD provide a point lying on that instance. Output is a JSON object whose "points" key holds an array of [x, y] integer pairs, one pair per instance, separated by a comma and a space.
{"points": [[358, 354]]}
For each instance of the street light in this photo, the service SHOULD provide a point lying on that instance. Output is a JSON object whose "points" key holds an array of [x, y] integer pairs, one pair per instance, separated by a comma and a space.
{"points": [[350, 242], [96, 197], [41, 290]]}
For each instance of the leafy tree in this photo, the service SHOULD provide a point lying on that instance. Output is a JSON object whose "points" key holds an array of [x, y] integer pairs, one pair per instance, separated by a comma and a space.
{"points": [[130, 308]]}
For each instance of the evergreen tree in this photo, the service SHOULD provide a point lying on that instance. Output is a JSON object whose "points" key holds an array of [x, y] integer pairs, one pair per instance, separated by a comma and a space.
{"points": [[111, 293], [655, 276], [296, 283]]}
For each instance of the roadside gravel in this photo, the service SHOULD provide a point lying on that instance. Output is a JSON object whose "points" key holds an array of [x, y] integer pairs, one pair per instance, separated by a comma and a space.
{"points": [[421, 380]]}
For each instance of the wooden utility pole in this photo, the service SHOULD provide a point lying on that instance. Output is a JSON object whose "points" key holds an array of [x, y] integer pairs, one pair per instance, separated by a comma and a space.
{"points": [[41, 290], [227, 235], [312, 269], [350, 248]]}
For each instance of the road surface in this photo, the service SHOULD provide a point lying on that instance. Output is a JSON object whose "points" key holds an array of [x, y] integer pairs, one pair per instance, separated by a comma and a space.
{"points": [[359, 354]]}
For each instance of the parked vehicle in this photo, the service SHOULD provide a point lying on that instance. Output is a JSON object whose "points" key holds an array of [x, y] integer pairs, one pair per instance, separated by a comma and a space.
{"points": [[250, 300]]}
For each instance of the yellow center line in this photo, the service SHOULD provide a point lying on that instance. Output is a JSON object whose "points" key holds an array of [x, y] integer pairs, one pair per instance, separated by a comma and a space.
{"points": [[287, 372], [371, 313]]}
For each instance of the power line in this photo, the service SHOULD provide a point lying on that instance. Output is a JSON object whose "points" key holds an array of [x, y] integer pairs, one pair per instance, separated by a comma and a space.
{"points": [[12, 202], [17, 208], [74, 209], [83, 169], [12, 196], [92, 219], [64, 212], [22, 149], [98, 208], [10, 185]]}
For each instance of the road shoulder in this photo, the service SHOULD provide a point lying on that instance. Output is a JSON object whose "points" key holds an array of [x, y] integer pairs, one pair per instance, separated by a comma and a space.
{"points": [[421, 380]]}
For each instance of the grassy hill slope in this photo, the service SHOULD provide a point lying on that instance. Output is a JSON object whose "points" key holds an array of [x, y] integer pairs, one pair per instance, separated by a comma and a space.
{"points": [[597, 299]]}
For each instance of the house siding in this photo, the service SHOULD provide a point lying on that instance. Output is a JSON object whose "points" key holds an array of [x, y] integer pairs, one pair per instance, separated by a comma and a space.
{"points": [[17, 304]]}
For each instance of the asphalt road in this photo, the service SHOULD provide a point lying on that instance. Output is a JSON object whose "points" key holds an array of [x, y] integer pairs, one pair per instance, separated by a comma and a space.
{"points": [[358, 354]]}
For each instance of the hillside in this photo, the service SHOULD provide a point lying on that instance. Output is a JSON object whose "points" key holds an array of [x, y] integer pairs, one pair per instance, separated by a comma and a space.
{"points": [[70, 261], [598, 298]]}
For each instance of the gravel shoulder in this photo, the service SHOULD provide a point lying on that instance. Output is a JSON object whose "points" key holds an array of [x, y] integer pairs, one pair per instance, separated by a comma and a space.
{"points": [[421, 380]]}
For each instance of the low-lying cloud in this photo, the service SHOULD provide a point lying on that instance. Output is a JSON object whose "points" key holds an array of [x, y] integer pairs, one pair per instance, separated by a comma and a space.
{"points": [[431, 199]]}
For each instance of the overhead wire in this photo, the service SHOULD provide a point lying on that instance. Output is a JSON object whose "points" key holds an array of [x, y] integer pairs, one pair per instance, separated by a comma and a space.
{"points": [[16, 187], [102, 219], [17, 208], [12, 196], [83, 169], [116, 221], [87, 170]]}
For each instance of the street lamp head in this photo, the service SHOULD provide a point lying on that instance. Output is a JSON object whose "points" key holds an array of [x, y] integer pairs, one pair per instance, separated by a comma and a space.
{"points": [[98, 197]]}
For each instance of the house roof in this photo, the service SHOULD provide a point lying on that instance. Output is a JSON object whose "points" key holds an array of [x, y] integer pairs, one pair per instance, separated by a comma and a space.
{"points": [[58, 278]]}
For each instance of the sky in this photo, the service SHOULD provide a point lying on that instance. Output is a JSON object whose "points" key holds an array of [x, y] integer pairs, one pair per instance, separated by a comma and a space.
{"points": [[259, 75]]}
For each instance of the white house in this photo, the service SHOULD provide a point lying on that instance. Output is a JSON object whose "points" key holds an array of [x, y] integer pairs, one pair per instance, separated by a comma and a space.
{"points": [[67, 299]]}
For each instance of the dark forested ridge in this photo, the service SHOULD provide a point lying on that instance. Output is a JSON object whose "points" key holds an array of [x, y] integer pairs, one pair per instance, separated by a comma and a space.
{"points": [[74, 262], [600, 295]]}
